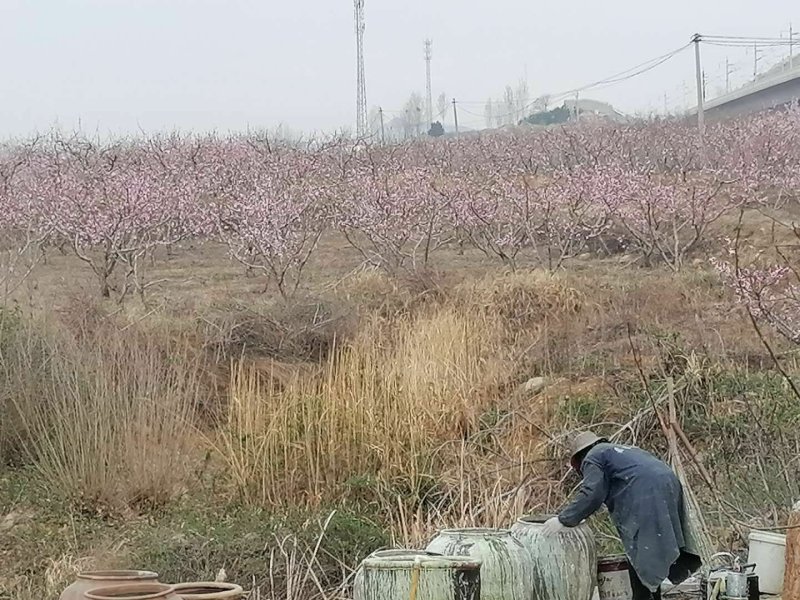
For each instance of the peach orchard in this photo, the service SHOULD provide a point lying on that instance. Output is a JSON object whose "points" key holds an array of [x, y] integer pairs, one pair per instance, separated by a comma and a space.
{"points": [[654, 191]]}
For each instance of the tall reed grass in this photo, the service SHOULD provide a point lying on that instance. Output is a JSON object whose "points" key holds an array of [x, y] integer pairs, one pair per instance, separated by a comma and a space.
{"points": [[400, 408], [108, 420], [417, 410]]}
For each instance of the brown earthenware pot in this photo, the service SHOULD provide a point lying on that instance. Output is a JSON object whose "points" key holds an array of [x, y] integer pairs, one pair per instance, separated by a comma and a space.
{"points": [[90, 580], [134, 591], [208, 590]]}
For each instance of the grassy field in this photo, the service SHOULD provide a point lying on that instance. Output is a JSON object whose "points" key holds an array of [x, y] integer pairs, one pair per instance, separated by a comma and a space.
{"points": [[218, 427]]}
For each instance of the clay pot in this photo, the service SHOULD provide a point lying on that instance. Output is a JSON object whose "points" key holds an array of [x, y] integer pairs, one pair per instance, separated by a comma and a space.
{"points": [[134, 591], [565, 565], [90, 580], [208, 590], [506, 571]]}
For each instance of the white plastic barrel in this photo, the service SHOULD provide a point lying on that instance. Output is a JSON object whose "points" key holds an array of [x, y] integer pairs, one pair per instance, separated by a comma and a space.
{"points": [[420, 577], [613, 581], [768, 552], [358, 580]]}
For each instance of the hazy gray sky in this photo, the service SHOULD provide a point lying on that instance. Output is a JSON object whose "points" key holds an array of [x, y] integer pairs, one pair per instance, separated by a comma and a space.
{"points": [[121, 65]]}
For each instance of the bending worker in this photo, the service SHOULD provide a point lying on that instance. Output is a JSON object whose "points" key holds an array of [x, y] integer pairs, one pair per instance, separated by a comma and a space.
{"points": [[645, 500]]}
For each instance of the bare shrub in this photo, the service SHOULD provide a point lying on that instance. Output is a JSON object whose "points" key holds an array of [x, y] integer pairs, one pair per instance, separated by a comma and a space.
{"points": [[107, 423]]}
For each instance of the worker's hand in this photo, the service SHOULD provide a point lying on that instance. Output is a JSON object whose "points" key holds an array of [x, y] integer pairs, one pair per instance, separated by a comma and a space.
{"points": [[553, 526]]}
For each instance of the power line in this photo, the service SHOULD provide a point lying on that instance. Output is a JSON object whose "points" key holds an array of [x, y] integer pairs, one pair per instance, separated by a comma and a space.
{"points": [[639, 69], [644, 67], [613, 79], [749, 39], [744, 44], [602, 83]]}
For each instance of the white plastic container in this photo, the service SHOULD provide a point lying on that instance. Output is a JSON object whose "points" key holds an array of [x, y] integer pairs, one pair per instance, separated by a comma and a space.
{"points": [[420, 577], [613, 581], [768, 552], [358, 580]]}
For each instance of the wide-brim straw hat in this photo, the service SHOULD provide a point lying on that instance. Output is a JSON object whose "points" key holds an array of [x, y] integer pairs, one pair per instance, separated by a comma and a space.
{"points": [[581, 442]]}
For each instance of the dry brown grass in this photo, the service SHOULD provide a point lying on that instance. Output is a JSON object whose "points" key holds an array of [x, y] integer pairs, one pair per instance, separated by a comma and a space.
{"points": [[399, 399], [380, 406], [294, 571], [108, 421], [419, 400], [58, 573], [520, 297], [418, 414]]}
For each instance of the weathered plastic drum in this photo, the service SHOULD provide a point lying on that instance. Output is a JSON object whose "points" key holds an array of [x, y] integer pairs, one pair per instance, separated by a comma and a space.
{"points": [[613, 580], [420, 577]]}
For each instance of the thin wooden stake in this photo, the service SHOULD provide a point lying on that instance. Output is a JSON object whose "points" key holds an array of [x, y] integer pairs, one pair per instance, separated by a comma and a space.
{"points": [[673, 419]]}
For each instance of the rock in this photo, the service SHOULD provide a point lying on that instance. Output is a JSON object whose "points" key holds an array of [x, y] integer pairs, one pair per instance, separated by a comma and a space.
{"points": [[534, 385], [13, 519], [179, 540]]}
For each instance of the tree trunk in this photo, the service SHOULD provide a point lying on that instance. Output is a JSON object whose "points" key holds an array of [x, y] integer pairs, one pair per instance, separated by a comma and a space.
{"points": [[105, 289], [791, 579]]}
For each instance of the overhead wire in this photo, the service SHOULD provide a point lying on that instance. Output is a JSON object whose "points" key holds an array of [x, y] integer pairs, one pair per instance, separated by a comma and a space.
{"points": [[640, 69], [722, 44], [611, 80], [750, 38], [600, 84], [633, 71]]}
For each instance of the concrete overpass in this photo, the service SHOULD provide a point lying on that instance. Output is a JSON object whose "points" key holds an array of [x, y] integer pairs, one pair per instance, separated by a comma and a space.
{"points": [[773, 91]]}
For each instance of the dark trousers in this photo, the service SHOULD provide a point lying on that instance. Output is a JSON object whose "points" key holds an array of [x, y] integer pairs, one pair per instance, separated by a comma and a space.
{"points": [[640, 591], [678, 572]]}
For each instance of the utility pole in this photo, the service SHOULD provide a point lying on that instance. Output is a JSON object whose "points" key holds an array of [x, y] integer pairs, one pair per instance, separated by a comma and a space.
{"points": [[455, 116], [705, 85], [701, 118], [666, 104], [383, 131], [428, 92], [756, 58], [791, 47], [361, 84], [729, 68], [577, 110]]}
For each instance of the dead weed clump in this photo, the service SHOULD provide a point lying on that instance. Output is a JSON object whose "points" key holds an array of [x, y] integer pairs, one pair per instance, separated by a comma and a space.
{"points": [[109, 422], [541, 315], [372, 291], [520, 298], [304, 330], [380, 408]]}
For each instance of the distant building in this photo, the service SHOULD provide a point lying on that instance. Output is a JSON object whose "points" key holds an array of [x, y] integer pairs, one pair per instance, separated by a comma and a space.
{"points": [[589, 107], [398, 129]]}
